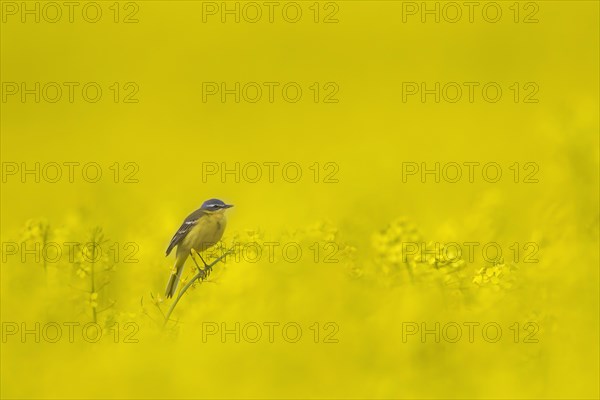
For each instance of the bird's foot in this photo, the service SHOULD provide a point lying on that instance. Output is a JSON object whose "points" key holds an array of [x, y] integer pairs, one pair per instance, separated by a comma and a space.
{"points": [[206, 272]]}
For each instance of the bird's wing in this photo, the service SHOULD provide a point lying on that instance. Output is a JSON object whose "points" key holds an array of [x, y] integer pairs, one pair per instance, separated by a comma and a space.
{"points": [[185, 228]]}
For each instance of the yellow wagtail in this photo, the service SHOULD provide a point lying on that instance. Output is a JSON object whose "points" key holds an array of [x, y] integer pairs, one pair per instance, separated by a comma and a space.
{"points": [[201, 230]]}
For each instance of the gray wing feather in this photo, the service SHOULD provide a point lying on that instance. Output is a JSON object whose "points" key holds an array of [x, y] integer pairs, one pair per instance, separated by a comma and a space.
{"points": [[185, 228]]}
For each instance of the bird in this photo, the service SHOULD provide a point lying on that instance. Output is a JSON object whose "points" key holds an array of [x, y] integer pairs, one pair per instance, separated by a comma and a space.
{"points": [[201, 230]]}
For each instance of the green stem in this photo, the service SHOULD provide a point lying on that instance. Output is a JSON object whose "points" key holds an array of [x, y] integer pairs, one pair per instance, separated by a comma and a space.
{"points": [[199, 275]]}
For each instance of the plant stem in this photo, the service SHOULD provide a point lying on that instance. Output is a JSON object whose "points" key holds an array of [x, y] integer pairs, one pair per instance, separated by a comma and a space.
{"points": [[199, 275]]}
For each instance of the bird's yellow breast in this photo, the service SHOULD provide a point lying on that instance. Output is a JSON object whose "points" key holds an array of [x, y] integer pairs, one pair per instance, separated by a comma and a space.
{"points": [[207, 232]]}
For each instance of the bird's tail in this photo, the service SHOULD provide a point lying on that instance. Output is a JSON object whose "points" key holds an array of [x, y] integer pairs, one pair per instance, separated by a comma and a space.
{"points": [[175, 276]]}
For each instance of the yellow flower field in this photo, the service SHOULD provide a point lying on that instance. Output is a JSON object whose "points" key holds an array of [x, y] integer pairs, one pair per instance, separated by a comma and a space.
{"points": [[415, 191]]}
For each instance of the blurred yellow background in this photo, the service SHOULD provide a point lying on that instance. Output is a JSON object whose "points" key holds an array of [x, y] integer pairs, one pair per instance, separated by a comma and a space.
{"points": [[164, 130]]}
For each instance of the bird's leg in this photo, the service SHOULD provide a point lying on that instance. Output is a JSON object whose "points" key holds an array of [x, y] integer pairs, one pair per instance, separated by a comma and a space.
{"points": [[195, 262], [207, 268]]}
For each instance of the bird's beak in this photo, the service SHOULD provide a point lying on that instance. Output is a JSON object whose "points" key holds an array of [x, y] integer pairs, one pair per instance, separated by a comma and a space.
{"points": [[228, 205]]}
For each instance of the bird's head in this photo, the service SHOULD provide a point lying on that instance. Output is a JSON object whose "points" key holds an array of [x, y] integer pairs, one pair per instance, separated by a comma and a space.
{"points": [[214, 205]]}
